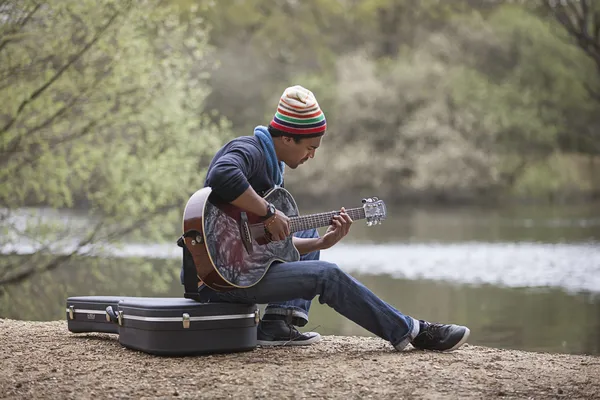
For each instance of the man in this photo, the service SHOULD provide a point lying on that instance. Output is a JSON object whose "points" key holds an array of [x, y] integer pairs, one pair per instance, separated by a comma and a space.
{"points": [[246, 168]]}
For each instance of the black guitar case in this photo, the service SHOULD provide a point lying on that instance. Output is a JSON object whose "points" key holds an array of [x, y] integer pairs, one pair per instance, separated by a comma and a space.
{"points": [[178, 327], [88, 313]]}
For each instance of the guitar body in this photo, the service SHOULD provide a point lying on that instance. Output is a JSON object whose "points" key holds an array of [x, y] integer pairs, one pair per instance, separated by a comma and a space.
{"points": [[228, 245]]}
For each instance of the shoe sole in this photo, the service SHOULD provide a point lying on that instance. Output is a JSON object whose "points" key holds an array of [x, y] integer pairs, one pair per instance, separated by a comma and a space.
{"points": [[461, 342], [312, 340]]}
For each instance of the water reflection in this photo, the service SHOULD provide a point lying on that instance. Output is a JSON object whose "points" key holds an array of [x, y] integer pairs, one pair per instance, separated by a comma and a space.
{"points": [[521, 318], [548, 320]]}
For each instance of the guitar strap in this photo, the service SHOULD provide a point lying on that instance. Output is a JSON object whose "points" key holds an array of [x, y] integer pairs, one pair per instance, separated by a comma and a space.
{"points": [[190, 277]]}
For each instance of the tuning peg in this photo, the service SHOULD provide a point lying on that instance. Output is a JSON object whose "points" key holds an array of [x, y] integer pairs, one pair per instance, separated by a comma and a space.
{"points": [[375, 198], [364, 201]]}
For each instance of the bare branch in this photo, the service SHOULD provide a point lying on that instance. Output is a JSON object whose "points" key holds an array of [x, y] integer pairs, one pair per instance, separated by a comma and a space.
{"points": [[593, 93], [565, 20], [9, 73], [56, 262], [585, 9], [597, 26], [33, 154], [21, 25], [576, 21], [26, 274], [59, 73], [13, 145], [575, 12]]}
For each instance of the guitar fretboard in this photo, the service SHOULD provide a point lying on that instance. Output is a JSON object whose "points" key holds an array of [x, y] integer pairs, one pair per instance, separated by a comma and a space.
{"points": [[312, 221]]}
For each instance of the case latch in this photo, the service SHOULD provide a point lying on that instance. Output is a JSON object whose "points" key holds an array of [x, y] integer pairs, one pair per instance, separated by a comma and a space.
{"points": [[186, 321], [257, 316], [71, 311], [120, 317]]}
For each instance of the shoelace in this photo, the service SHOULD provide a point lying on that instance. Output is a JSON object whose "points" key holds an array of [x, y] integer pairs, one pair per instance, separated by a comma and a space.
{"points": [[294, 333], [433, 330], [297, 333]]}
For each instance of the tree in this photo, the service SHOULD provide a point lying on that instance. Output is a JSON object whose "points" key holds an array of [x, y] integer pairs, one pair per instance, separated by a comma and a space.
{"points": [[462, 115], [102, 111], [581, 20]]}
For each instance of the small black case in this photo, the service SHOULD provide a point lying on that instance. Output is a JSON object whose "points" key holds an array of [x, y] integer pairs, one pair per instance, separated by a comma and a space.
{"points": [[88, 313], [178, 327]]}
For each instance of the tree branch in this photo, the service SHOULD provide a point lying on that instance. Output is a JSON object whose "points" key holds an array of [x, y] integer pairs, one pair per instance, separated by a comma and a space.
{"points": [[33, 155], [56, 262], [585, 13], [574, 11], [21, 25], [576, 23], [597, 26], [12, 147], [565, 20], [9, 73], [59, 73]]}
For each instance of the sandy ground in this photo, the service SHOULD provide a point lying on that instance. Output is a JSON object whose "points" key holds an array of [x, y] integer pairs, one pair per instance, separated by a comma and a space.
{"points": [[44, 360]]}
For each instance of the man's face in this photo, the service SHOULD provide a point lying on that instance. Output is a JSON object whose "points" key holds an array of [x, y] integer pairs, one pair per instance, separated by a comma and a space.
{"points": [[299, 152]]}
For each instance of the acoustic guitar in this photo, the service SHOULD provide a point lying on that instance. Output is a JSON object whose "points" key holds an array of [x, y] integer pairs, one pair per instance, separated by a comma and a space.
{"points": [[230, 246]]}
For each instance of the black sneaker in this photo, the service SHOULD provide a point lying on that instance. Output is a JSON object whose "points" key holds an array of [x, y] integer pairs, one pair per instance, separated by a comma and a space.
{"points": [[440, 337], [279, 333]]}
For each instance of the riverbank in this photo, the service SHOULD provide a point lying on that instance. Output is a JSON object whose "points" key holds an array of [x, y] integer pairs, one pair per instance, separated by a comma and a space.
{"points": [[44, 360]]}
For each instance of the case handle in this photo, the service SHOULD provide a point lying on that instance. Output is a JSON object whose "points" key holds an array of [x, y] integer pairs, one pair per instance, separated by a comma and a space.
{"points": [[114, 316]]}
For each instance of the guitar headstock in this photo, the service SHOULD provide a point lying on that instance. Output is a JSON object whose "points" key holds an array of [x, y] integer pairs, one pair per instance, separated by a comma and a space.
{"points": [[375, 211]]}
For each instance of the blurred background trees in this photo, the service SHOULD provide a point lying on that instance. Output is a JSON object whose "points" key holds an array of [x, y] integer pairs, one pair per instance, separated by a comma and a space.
{"points": [[447, 101], [114, 108]]}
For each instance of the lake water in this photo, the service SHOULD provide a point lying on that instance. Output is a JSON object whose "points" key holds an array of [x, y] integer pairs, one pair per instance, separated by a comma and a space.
{"points": [[519, 277]]}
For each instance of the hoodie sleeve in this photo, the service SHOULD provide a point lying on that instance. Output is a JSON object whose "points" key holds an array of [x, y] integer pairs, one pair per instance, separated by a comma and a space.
{"points": [[228, 175]]}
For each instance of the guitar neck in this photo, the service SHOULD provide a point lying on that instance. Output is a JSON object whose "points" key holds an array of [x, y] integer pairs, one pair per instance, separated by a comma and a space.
{"points": [[320, 220]]}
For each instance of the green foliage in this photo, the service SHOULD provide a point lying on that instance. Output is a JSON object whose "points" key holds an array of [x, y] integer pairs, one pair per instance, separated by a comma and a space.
{"points": [[460, 115], [103, 107], [559, 178]]}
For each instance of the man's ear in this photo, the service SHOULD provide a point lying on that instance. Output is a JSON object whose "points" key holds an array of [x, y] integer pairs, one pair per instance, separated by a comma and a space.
{"points": [[287, 140]]}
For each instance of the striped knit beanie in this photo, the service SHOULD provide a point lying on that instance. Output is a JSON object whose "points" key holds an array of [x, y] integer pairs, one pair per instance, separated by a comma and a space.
{"points": [[299, 113]]}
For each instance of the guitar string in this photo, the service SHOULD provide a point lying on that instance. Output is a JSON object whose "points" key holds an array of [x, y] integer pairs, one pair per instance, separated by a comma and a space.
{"points": [[305, 222]]}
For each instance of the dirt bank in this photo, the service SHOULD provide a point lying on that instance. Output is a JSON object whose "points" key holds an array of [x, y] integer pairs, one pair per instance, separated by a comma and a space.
{"points": [[44, 360]]}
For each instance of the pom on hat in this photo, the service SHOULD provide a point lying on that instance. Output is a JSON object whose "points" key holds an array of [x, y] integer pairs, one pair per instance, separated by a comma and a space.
{"points": [[299, 113]]}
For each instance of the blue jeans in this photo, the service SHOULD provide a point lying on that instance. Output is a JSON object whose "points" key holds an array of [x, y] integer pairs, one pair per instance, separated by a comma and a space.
{"points": [[290, 287], [297, 309]]}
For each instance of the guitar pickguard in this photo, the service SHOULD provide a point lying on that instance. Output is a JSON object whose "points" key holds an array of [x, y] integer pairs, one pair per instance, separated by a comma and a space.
{"points": [[225, 246]]}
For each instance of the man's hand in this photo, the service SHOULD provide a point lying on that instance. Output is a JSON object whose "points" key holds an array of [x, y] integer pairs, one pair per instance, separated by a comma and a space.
{"points": [[340, 226], [278, 226]]}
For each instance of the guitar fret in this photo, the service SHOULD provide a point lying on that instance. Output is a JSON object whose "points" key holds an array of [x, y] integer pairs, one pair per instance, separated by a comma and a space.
{"points": [[311, 221]]}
